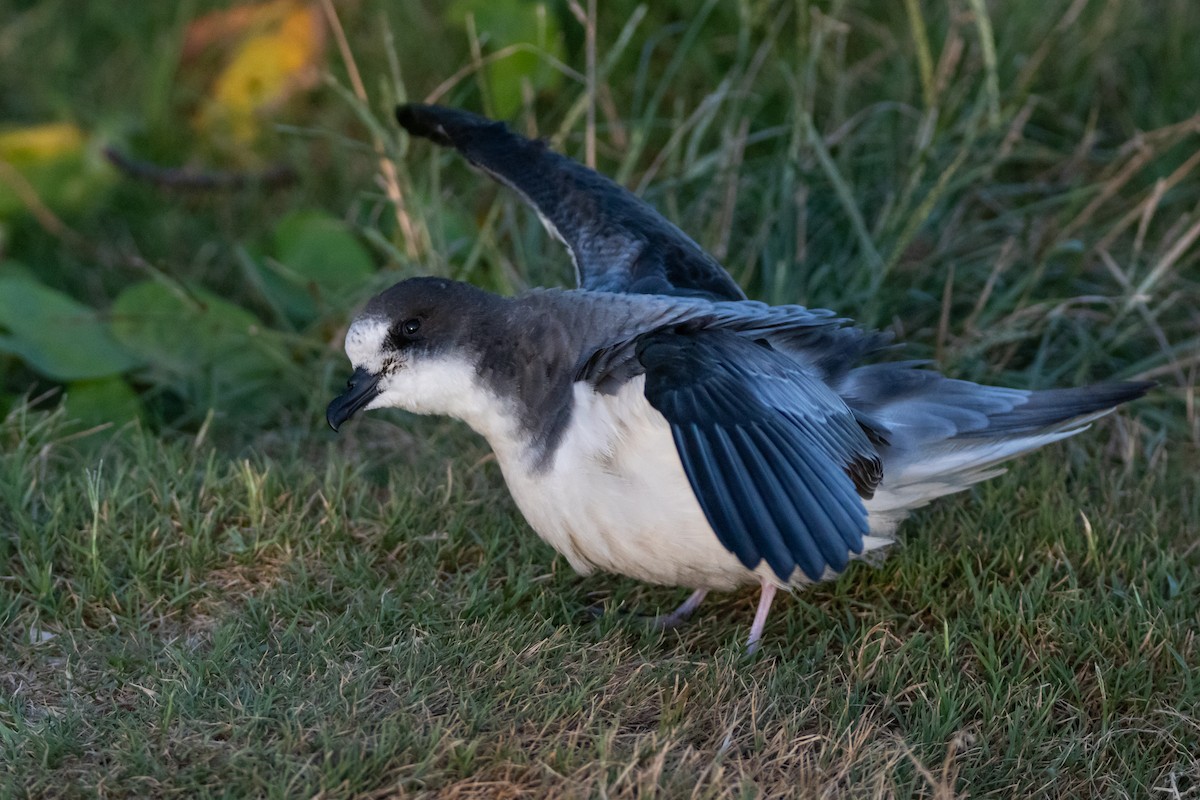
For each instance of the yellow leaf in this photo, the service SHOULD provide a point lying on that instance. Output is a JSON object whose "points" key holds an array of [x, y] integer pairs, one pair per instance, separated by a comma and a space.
{"points": [[48, 169], [37, 143], [221, 30], [265, 70]]}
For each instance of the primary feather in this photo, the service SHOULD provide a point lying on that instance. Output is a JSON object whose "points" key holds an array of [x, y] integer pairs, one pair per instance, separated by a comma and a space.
{"points": [[619, 242]]}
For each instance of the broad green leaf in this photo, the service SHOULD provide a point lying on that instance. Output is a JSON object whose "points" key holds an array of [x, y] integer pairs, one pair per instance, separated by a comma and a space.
{"points": [[15, 269], [320, 249], [188, 336], [501, 23], [100, 401], [316, 256], [55, 335]]}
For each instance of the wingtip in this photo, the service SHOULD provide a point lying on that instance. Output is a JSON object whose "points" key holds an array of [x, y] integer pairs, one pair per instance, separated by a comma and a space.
{"points": [[448, 127], [1118, 393], [423, 121], [1140, 388]]}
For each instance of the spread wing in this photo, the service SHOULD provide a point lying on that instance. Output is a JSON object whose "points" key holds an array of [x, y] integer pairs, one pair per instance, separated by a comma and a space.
{"points": [[619, 242], [776, 459]]}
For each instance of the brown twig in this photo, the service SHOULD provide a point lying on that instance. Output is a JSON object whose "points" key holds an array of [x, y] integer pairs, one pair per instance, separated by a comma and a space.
{"points": [[729, 200], [413, 246], [588, 20], [1137, 212]]}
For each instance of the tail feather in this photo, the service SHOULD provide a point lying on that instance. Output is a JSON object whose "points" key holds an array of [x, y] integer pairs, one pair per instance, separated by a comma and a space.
{"points": [[942, 435], [1053, 408]]}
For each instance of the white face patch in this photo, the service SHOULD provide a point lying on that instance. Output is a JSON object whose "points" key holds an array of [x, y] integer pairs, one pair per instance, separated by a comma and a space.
{"points": [[365, 343]]}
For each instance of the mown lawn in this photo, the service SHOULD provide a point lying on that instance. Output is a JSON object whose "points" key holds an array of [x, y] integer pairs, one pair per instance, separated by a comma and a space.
{"points": [[370, 615], [221, 598]]}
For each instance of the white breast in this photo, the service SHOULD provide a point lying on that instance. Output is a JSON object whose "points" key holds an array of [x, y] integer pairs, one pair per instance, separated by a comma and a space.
{"points": [[615, 497]]}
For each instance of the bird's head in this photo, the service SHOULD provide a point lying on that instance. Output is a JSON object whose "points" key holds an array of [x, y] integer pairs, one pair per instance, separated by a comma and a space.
{"points": [[415, 346]]}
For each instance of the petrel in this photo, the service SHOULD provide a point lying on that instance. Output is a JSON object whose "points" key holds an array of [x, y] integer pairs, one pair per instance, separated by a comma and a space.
{"points": [[657, 424]]}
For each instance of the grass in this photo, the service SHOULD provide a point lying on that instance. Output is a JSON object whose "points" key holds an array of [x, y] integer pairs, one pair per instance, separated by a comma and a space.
{"points": [[214, 603], [324, 618]]}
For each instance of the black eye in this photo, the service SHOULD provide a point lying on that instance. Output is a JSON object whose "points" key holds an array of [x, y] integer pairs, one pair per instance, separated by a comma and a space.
{"points": [[411, 326]]}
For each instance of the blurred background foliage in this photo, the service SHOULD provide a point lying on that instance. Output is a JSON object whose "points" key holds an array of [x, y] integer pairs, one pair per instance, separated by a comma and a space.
{"points": [[194, 196]]}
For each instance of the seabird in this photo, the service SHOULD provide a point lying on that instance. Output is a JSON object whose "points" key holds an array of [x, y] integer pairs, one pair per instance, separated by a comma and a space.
{"points": [[657, 424]]}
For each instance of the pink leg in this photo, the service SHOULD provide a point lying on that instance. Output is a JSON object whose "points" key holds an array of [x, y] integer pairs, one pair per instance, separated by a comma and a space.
{"points": [[760, 617], [667, 621]]}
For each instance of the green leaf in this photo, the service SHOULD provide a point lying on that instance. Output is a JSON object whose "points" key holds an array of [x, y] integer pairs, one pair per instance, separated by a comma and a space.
{"points": [[318, 256], [15, 269], [322, 250], [55, 335], [191, 334], [501, 23], [211, 353], [100, 401]]}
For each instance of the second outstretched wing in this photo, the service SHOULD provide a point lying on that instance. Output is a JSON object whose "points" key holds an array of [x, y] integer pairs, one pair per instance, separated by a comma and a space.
{"points": [[619, 242], [777, 461]]}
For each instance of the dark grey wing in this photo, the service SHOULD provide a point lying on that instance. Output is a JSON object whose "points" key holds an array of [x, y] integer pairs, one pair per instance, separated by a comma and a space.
{"points": [[619, 243], [776, 459]]}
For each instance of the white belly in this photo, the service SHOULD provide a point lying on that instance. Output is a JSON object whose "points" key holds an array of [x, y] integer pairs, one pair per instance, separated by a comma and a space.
{"points": [[616, 498]]}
